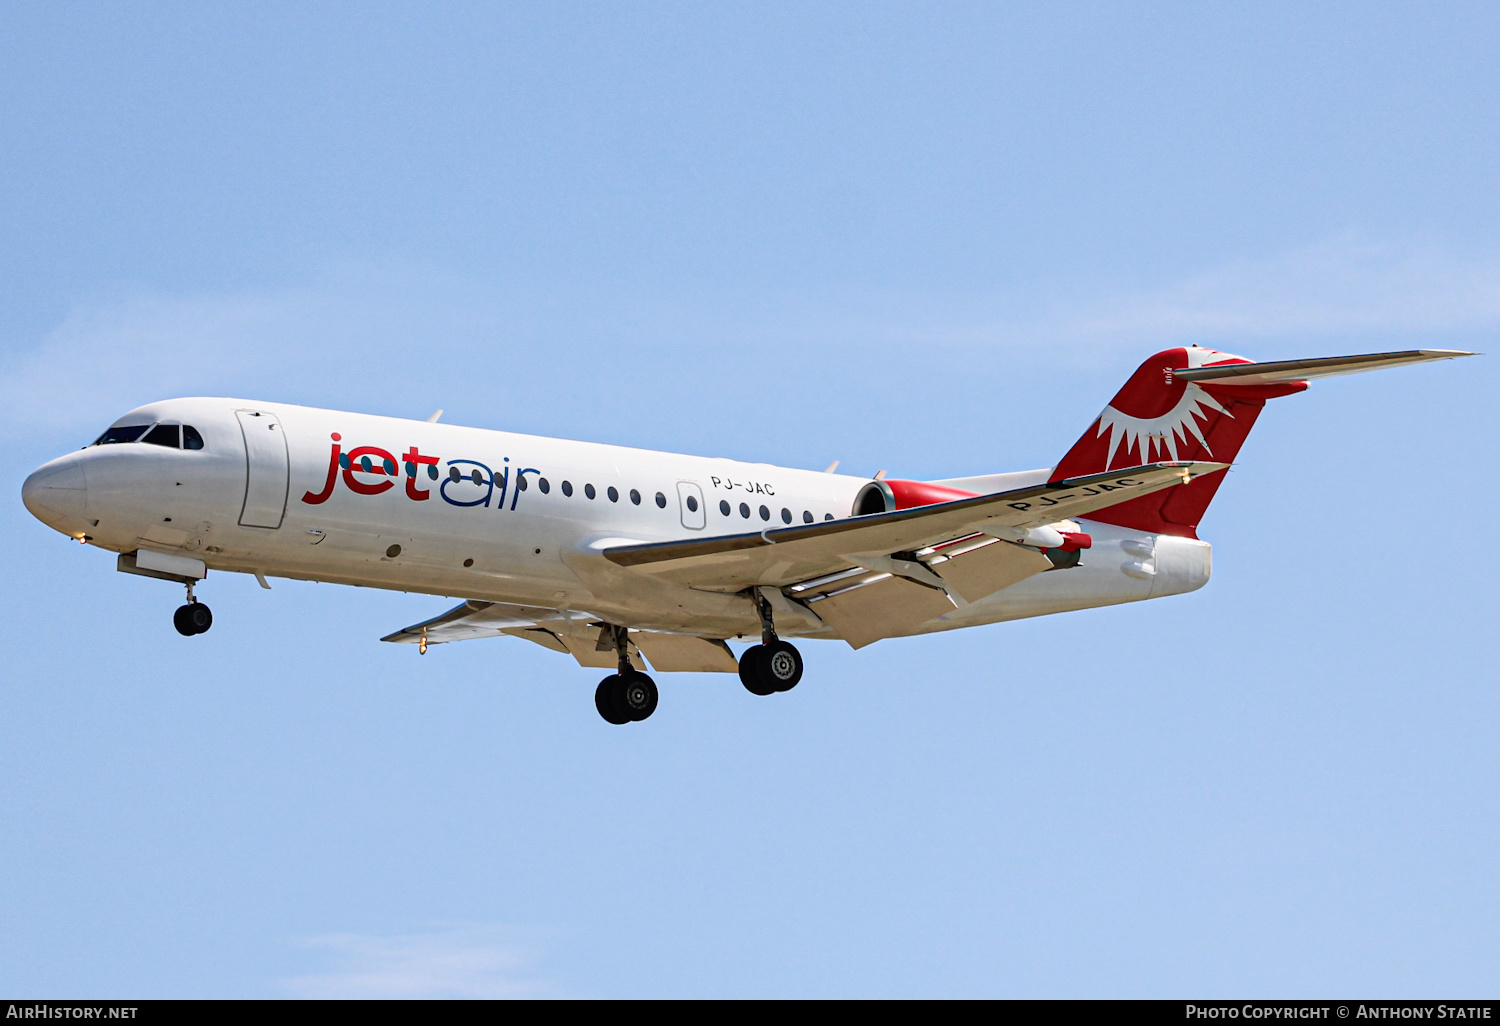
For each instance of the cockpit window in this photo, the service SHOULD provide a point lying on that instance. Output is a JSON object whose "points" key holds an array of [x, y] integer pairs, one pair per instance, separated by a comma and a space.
{"points": [[172, 436], [126, 433], [163, 434]]}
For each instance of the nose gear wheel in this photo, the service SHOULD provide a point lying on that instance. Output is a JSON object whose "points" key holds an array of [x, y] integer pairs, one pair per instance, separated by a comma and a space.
{"points": [[192, 618]]}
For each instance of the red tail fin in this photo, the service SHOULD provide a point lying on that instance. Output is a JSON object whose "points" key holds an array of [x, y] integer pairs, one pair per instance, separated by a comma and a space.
{"points": [[1158, 416]]}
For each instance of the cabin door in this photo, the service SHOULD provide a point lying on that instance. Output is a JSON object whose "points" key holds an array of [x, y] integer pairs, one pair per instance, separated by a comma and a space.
{"points": [[267, 472]]}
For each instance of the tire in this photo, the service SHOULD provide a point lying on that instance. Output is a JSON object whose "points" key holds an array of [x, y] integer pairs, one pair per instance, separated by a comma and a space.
{"points": [[636, 695], [781, 666], [200, 616], [751, 673], [604, 700], [181, 621]]}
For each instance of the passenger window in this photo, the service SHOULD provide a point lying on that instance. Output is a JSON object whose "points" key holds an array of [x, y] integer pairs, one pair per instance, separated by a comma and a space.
{"points": [[454, 474], [827, 516], [567, 487], [165, 435], [661, 500], [544, 485], [765, 514], [692, 504], [191, 439], [724, 507], [745, 510], [635, 496], [613, 493], [476, 477], [588, 490], [786, 515], [807, 516], [128, 433]]}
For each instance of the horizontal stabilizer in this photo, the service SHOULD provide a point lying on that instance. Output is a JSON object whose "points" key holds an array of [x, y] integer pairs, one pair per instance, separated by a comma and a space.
{"points": [[1282, 371]]}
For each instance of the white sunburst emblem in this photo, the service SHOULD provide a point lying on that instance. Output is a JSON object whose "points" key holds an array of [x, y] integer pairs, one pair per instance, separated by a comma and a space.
{"points": [[1160, 434]]}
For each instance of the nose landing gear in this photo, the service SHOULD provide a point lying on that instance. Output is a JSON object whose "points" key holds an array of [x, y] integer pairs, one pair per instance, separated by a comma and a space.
{"points": [[629, 695], [773, 665], [194, 617]]}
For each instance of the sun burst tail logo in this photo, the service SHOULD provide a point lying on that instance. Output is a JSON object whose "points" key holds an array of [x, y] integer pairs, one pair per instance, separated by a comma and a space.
{"points": [[1160, 437]]}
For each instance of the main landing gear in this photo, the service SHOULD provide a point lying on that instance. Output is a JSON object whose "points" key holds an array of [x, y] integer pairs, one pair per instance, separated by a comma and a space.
{"points": [[194, 617], [773, 665], [626, 696]]}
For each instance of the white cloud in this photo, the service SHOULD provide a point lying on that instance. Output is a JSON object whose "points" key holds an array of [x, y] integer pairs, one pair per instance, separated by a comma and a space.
{"points": [[470, 962]]}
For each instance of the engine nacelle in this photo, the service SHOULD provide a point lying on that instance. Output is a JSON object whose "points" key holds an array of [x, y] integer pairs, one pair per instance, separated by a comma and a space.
{"points": [[888, 496], [885, 496]]}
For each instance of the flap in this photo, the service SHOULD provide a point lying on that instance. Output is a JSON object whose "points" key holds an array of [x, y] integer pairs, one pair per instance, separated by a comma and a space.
{"points": [[881, 608], [671, 653], [590, 648], [541, 635], [789, 555], [990, 566]]}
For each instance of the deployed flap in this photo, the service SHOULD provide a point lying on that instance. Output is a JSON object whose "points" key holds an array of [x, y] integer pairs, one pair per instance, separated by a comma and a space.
{"points": [[1281, 371], [541, 635], [791, 554], [681, 652], [588, 653], [879, 609], [985, 569]]}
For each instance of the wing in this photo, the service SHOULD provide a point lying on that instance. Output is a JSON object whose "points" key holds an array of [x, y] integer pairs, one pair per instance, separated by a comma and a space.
{"points": [[472, 619], [579, 636], [1305, 370], [860, 578], [794, 555]]}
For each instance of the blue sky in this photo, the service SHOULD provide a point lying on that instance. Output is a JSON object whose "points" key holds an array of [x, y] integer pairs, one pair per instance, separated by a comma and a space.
{"points": [[931, 239]]}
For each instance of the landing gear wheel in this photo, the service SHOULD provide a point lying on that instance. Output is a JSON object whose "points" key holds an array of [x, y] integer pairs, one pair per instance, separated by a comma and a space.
{"points": [[781, 665], [636, 695], [604, 700], [767, 669], [193, 618], [751, 674]]}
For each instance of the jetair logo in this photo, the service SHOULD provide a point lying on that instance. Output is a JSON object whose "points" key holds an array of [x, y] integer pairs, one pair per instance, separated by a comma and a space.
{"points": [[371, 470]]}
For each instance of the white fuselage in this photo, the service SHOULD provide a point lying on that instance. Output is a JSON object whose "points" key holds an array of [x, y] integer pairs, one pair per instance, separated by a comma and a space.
{"points": [[492, 515]]}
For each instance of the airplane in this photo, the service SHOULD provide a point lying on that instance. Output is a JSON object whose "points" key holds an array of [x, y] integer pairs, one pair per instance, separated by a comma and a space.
{"points": [[611, 554]]}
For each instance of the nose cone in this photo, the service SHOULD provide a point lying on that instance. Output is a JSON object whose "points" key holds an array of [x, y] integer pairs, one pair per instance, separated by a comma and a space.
{"points": [[57, 495]]}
